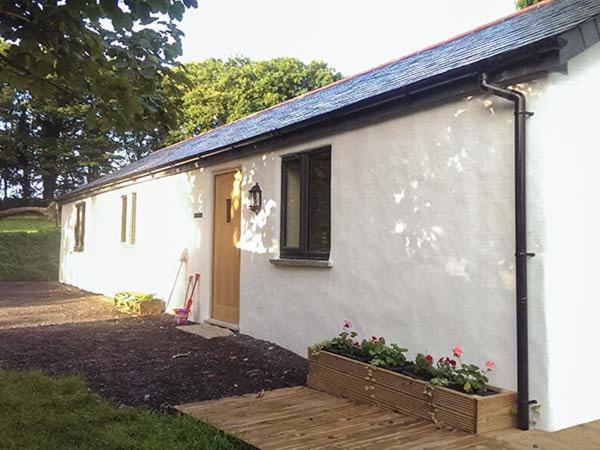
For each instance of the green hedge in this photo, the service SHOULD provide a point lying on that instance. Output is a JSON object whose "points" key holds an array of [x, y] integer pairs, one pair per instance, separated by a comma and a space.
{"points": [[29, 256]]}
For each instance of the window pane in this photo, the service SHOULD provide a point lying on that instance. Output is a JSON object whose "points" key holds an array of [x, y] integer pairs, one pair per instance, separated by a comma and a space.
{"points": [[292, 206], [319, 203], [132, 225], [123, 218]]}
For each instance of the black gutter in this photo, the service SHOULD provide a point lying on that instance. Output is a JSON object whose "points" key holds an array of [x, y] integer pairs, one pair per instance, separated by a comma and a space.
{"points": [[521, 253]]}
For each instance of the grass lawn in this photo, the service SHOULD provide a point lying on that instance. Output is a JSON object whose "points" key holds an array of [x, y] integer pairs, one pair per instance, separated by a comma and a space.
{"points": [[40, 412], [29, 249]]}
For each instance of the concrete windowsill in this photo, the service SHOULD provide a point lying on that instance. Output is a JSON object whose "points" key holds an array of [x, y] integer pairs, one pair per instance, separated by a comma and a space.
{"points": [[293, 262]]}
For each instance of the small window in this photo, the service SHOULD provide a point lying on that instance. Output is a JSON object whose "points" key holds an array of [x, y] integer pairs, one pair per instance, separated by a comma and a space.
{"points": [[123, 218], [128, 219], [79, 226], [132, 222], [306, 199]]}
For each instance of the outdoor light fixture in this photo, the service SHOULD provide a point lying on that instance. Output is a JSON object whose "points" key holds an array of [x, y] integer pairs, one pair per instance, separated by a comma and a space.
{"points": [[255, 198]]}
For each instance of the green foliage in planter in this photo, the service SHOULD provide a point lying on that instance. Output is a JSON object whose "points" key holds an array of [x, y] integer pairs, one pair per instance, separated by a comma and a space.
{"points": [[423, 365], [452, 372], [374, 351], [128, 301], [448, 371], [382, 354]]}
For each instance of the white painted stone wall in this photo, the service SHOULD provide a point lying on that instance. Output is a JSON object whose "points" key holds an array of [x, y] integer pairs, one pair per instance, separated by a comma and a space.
{"points": [[566, 129], [422, 239]]}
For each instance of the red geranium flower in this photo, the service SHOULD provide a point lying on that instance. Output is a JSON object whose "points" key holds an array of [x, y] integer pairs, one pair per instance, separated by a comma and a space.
{"points": [[447, 361], [347, 324], [490, 365], [429, 359]]}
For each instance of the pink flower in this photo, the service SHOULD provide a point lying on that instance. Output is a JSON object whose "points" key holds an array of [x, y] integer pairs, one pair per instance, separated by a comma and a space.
{"points": [[490, 365], [374, 338], [356, 344], [458, 351], [347, 324], [429, 359]]}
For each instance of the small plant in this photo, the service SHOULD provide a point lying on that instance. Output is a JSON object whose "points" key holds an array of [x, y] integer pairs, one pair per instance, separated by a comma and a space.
{"points": [[453, 373], [127, 301], [382, 354], [423, 364], [345, 341], [467, 377], [316, 348], [535, 414]]}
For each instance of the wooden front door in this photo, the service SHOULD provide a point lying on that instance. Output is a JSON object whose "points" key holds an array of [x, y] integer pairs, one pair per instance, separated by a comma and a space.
{"points": [[226, 252]]}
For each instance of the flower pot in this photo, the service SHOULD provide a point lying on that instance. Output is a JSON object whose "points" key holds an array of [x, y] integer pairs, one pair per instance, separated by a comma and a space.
{"points": [[361, 382], [150, 307]]}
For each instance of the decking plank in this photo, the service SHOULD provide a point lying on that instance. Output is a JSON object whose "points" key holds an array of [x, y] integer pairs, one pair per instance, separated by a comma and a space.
{"points": [[303, 418]]}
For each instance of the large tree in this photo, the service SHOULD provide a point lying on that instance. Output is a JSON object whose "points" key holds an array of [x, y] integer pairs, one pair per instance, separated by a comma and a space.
{"points": [[76, 78], [117, 52], [54, 147], [220, 91]]}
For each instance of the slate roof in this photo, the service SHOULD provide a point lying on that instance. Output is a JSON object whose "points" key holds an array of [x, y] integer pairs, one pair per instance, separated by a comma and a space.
{"points": [[545, 20]]}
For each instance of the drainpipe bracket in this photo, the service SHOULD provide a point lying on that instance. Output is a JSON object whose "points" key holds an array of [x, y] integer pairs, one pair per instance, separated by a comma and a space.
{"points": [[521, 254], [527, 113], [527, 403]]}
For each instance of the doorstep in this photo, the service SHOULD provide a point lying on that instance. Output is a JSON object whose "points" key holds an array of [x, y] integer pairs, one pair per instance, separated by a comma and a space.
{"points": [[206, 330], [220, 323]]}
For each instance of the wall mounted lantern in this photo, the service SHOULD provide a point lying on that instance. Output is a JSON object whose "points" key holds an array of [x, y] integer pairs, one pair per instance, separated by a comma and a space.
{"points": [[255, 198]]}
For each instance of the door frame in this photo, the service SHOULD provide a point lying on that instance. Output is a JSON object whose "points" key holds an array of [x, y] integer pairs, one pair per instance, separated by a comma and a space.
{"points": [[215, 173]]}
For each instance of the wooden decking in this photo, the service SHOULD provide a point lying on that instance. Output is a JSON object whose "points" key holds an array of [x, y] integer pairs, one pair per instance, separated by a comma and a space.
{"points": [[302, 418]]}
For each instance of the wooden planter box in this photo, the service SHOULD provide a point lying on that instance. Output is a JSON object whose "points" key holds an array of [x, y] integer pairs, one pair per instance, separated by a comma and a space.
{"points": [[358, 381], [150, 307]]}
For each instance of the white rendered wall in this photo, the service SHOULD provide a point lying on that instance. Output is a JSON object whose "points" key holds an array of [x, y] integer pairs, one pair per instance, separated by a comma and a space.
{"points": [[422, 240], [566, 126]]}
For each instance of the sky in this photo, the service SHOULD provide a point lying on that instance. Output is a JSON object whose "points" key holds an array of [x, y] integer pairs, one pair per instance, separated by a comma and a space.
{"points": [[350, 35]]}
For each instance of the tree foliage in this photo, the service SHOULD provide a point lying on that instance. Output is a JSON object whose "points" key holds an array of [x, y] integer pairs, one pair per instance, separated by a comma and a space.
{"points": [[48, 145], [223, 91], [111, 54], [525, 3]]}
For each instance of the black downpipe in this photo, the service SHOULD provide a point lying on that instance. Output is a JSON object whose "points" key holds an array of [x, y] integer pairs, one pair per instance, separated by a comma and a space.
{"points": [[521, 254]]}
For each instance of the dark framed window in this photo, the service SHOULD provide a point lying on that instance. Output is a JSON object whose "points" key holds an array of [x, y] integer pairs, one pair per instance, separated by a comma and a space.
{"points": [[306, 205], [79, 226]]}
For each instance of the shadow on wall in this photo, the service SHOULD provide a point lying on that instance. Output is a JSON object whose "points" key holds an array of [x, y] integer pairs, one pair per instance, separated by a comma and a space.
{"points": [[455, 185], [257, 227]]}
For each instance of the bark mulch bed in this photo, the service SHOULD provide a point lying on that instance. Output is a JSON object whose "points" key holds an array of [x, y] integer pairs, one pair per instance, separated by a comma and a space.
{"points": [[27, 304], [132, 360]]}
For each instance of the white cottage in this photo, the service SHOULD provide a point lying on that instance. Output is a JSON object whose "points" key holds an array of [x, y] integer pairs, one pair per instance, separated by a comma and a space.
{"points": [[396, 199]]}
